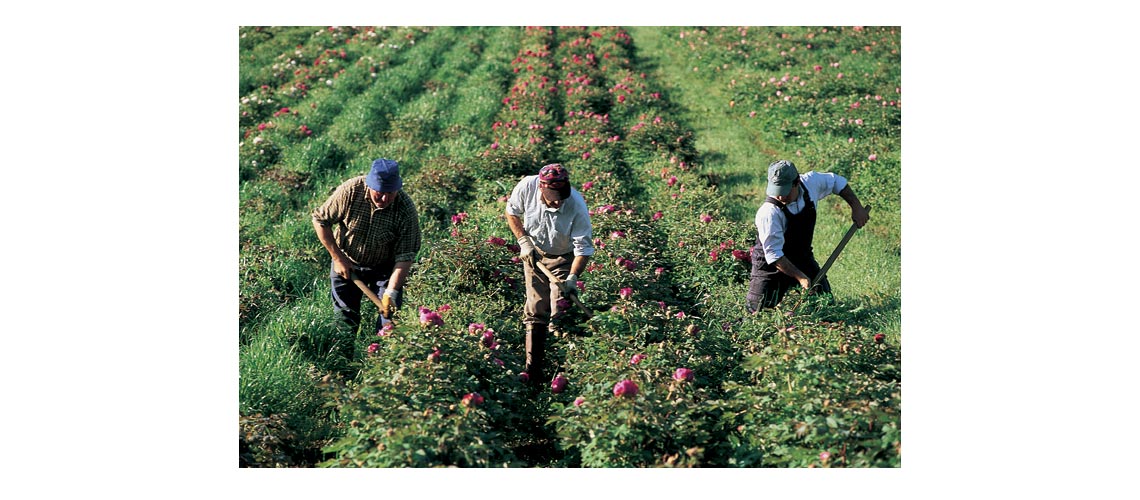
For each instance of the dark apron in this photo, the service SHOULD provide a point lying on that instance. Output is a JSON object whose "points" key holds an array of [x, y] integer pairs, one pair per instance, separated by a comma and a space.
{"points": [[768, 284]]}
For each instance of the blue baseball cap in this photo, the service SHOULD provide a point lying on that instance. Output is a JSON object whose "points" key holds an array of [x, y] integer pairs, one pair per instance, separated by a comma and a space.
{"points": [[385, 176]]}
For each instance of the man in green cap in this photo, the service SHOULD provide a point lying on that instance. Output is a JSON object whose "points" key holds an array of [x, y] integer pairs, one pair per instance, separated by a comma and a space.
{"points": [[782, 257]]}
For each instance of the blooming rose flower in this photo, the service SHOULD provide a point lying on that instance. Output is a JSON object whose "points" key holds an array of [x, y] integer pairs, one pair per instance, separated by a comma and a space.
{"points": [[587, 185], [558, 384], [683, 374], [524, 377], [741, 255], [823, 457], [879, 338], [625, 292], [625, 388], [579, 400], [372, 349], [636, 359], [873, 157], [430, 318], [386, 330], [434, 356], [657, 215], [488, 338], [472, 399], [475, 328], [617, 235]]}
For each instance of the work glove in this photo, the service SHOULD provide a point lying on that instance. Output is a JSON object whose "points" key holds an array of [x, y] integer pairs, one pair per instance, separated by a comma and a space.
{"points": [[526, 249], [388, 303], [570, 285]]}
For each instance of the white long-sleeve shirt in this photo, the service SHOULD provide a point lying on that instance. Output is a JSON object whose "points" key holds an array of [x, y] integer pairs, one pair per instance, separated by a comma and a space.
{"points": [[771, 221], [555, 232]]}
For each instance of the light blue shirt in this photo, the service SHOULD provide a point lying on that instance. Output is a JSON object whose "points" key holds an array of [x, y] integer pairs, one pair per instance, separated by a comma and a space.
{"points": [[555, 232], [771, 221]]}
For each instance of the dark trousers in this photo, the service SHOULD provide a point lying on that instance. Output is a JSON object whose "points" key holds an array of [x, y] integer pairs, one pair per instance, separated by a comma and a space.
{"points": [[767, 288], [346, 296]]}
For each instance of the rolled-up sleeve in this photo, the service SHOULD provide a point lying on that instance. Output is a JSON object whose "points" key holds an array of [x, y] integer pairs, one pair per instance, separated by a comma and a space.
{"points": [[515, 204], [409, 244], [335, 209], [770, 228], [582, 234]]}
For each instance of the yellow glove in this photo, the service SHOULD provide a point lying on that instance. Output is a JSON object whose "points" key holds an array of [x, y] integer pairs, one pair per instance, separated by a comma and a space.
{"points": [[388, 303]]}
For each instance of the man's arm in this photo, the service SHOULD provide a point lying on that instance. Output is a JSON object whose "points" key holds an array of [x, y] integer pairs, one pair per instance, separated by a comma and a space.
{"points": [[859, 214], [399, 275], [341, 263], [785, 266], [516, 225]]}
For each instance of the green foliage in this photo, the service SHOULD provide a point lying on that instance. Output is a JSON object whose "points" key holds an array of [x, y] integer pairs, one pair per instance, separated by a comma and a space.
{"points": [[469, 111]]}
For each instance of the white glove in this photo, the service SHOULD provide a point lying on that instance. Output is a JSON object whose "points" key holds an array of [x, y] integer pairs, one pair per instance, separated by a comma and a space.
{"points": [[570, 285], [526, 249]]}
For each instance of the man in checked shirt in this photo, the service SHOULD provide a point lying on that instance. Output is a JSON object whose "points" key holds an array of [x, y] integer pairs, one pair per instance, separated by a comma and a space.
{"points": [[552, 224], [377, 236]]}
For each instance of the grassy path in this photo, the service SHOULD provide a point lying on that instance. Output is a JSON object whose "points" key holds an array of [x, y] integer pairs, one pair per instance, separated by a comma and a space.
{"points": [[735, 156]]}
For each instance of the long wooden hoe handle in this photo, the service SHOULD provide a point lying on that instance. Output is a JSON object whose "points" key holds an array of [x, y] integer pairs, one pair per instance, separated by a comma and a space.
{"points": [[554, 279], [367, 291], [830, 260]]}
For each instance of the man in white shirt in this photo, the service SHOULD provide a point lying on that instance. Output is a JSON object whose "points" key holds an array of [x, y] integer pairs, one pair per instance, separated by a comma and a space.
{"points": [[552, 224], [785, 223]]}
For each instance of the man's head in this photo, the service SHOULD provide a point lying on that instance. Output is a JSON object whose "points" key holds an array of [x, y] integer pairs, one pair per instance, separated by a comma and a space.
{"points": [[554, 183], [782, 176], [383, 182]]}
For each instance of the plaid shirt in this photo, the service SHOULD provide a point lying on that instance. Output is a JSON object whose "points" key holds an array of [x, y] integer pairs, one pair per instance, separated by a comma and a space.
{"points": [[368, 235]]}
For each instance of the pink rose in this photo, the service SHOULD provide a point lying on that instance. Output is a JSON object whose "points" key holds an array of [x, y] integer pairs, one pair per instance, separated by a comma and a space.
{"points": [[625, 388], [683, 374], [636, 359], [625, 292], [579, 401], [472, 399], [372, 349], [558, 384]]}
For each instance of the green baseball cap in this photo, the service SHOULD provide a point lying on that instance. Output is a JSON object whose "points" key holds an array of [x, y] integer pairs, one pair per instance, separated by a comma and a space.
{"points": [[781, 175]]}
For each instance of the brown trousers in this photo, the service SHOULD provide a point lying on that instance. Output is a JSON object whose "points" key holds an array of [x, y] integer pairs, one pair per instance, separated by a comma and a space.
{"points": [[542, 298]]}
